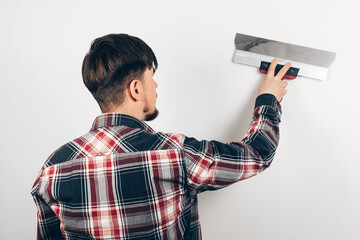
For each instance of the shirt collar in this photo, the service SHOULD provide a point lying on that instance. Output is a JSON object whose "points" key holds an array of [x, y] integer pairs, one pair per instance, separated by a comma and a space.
{"points": [[112, 119]]}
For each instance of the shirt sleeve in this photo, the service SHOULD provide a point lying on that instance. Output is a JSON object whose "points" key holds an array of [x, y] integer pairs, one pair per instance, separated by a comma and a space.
{"points": [[213, 165], [48, 224]]}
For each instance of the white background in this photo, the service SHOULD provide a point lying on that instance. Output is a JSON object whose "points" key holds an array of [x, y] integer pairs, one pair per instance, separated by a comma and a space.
{"points": [[312, 189]]}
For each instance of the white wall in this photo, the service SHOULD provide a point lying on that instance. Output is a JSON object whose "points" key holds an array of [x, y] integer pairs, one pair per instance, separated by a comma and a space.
{"points": [[312, 189]]}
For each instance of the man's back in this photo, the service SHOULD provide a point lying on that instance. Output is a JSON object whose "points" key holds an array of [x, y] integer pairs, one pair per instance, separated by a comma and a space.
{"points": [[123, 180], [120, 179]]}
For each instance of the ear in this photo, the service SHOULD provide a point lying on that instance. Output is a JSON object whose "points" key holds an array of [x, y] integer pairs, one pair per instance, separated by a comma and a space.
{"points": [[136, 90]]}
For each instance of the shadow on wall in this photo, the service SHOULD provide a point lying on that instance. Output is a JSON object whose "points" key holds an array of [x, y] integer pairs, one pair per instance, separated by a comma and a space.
{"points": [[237, 130]]}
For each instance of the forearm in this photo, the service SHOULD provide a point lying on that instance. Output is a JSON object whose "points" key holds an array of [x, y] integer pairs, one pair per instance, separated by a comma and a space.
{"points": [[263, 132], [212, 164]]}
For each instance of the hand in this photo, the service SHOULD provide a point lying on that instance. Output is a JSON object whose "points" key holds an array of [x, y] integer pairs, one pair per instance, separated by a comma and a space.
{"points": [[273, 84]]}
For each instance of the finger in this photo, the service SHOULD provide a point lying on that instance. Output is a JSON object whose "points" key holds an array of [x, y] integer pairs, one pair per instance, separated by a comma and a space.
{"points": [[285, 83], [283, 70], [271, 70]]}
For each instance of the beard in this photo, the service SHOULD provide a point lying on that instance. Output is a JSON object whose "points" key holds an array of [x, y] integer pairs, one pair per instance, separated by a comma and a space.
{"points": [[151, 116]]}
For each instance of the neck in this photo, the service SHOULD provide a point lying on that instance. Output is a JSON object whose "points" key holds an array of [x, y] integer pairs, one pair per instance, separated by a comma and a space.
{"points": [[134, 111]]}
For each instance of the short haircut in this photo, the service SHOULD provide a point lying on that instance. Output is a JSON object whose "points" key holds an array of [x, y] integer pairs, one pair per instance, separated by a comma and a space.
{"points": [[112, 62]]}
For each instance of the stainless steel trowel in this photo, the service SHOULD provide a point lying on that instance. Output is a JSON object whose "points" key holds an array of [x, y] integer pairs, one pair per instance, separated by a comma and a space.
{"points": [[259, 52]]}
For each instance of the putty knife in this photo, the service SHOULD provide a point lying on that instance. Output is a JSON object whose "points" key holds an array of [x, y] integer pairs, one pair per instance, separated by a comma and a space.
{"points": [[259, 52]]}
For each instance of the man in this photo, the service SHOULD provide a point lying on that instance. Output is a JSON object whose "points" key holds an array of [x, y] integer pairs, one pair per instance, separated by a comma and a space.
{"points": [[123, 180]]}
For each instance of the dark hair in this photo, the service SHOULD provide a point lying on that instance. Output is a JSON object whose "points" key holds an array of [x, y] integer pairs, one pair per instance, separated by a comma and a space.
{"points": [[112, 62]]}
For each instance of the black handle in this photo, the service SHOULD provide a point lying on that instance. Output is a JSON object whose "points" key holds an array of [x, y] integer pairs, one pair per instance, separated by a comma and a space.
{"points": [[290, 74]]}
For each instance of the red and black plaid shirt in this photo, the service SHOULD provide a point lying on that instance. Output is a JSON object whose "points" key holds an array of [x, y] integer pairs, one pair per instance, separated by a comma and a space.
{"points": [[122, 180]]}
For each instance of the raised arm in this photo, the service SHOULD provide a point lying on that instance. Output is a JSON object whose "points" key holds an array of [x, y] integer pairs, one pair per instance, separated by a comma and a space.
{"points": [[212, 165]]}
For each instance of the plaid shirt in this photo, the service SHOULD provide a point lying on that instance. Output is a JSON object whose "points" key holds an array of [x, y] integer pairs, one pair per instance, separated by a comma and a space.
{"points": [[122, 180]]}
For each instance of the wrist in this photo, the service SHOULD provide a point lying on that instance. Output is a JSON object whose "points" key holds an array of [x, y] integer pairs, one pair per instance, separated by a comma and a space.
{"points": [[267, 99]]}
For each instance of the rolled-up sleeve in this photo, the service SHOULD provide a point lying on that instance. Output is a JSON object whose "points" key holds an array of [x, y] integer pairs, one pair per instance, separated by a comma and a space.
{"points": [[213, 165]]}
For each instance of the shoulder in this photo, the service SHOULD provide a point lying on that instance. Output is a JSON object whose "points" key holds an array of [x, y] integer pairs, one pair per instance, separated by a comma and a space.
{"points": [[144, 141], [62, 154], [68, 151], [176, 138]]}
